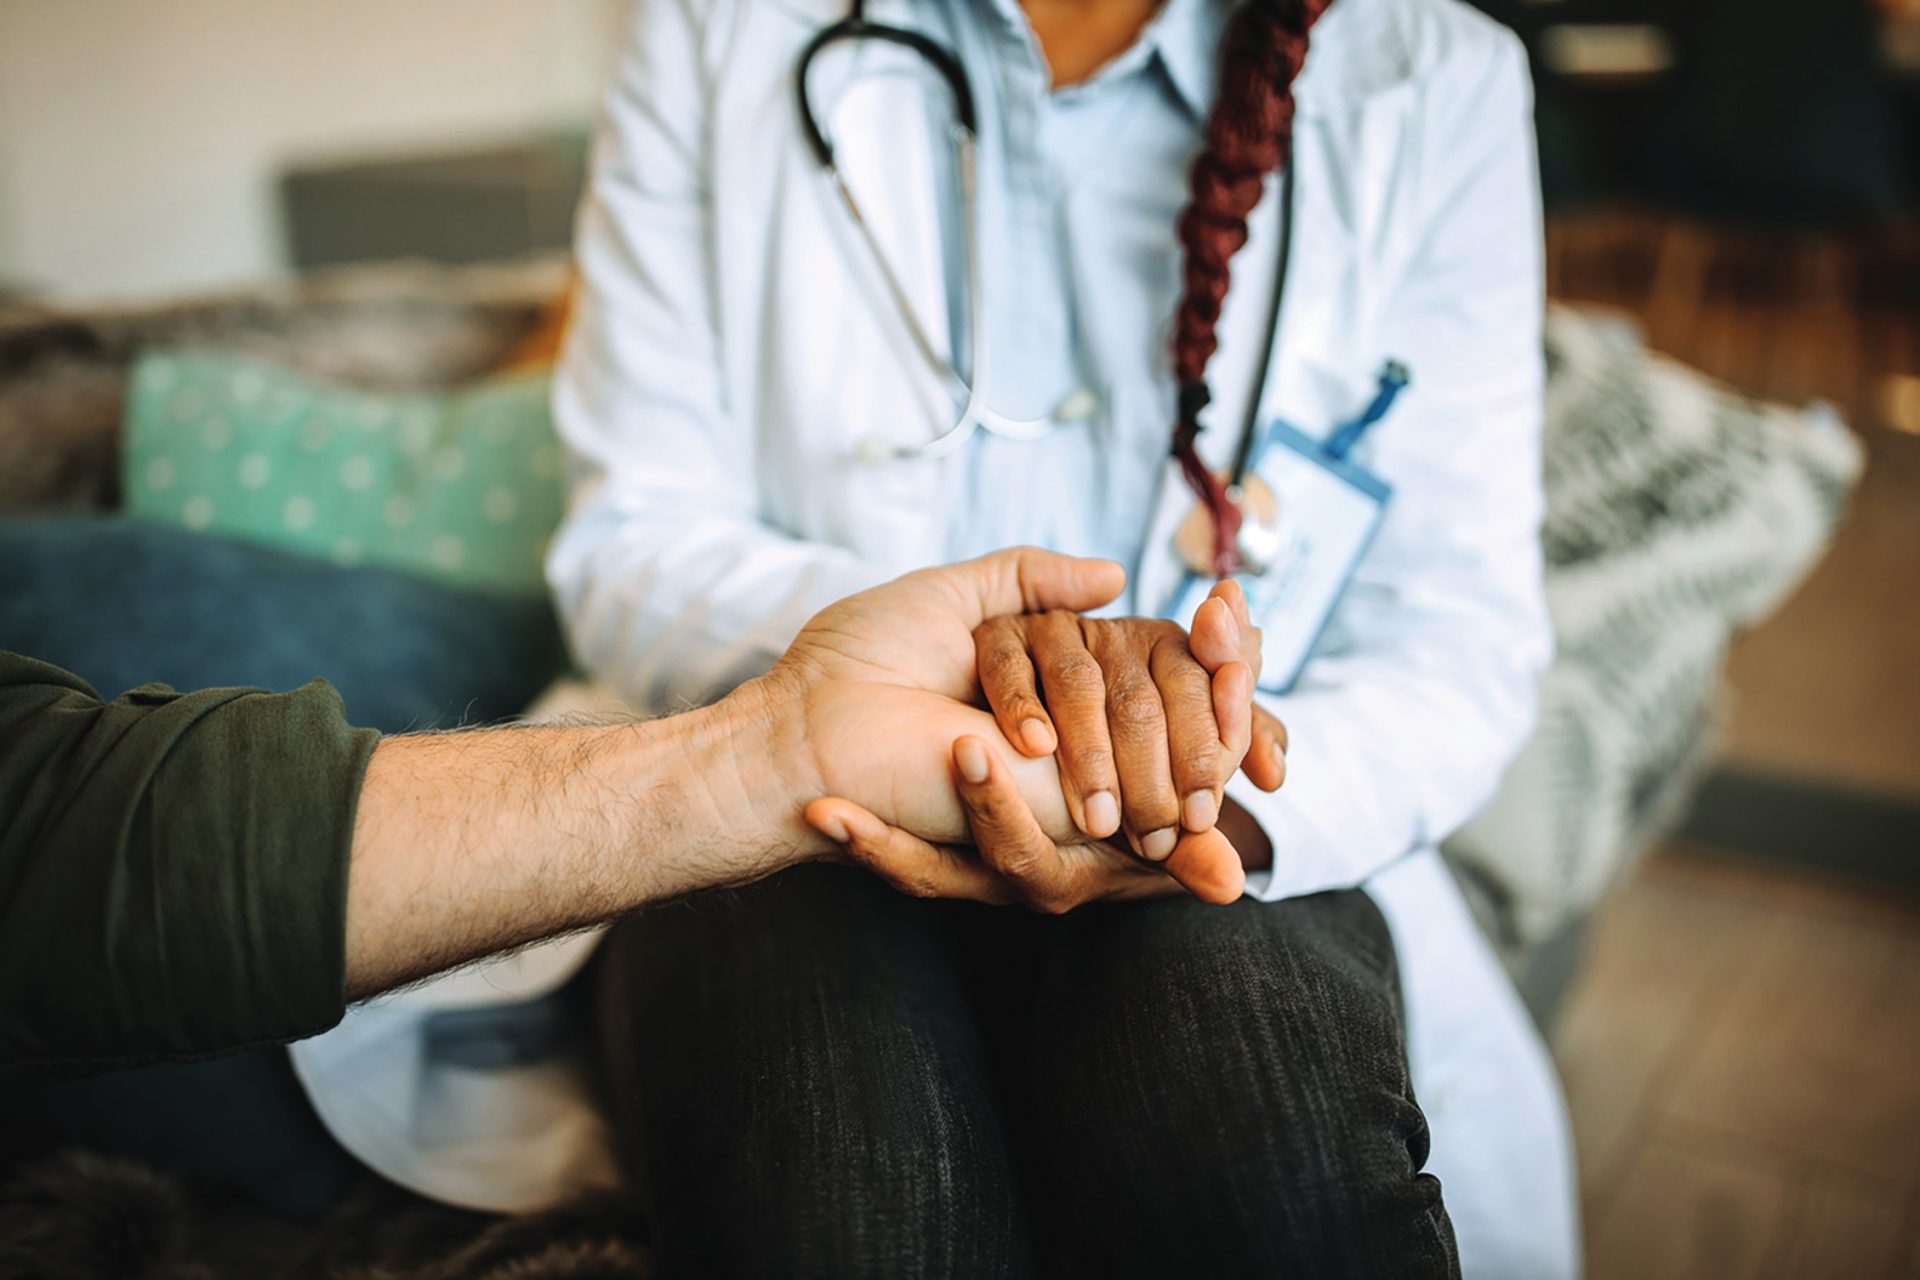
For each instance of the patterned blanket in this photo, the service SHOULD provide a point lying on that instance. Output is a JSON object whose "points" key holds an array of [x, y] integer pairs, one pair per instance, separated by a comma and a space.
{"points": [[1677, 514]]}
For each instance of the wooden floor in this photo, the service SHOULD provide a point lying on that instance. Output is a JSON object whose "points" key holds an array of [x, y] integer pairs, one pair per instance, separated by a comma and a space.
{"points": [[1742, 1052], [1742, 1060]]}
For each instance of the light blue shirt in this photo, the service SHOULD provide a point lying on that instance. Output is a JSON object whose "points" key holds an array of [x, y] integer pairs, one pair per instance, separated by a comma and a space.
{"points": [[1080, 190]]}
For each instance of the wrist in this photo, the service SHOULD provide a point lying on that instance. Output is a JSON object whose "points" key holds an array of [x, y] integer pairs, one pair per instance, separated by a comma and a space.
{"points": [[695, 801], [757, 770]]}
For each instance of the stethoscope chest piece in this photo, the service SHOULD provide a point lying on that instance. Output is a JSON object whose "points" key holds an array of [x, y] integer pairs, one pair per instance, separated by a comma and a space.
{"points": [[1264, 537]]}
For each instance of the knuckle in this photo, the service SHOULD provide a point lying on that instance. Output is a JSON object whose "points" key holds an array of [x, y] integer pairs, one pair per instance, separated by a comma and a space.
{"points": [[1004, 666], [1074, 671], [1022, 870], [1016, 863], [1133, 704], [1182, 673], [1193, 698], [1091, 763], [1199, 761]]}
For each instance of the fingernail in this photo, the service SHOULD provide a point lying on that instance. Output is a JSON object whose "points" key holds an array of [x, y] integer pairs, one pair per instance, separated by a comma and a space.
{"points": [[1103, 814], [835, 830], [972, 759], [1034, 733], [1200, 811], [1158, 844]]}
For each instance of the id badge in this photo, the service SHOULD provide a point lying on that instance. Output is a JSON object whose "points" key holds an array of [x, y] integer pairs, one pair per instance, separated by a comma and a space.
{"points": [[1307, 519]]}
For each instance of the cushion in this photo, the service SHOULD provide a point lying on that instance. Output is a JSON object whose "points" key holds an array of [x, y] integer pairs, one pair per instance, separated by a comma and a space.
{"points": [[1677, 513], [121, 602], [463, 486], [64, 371]]}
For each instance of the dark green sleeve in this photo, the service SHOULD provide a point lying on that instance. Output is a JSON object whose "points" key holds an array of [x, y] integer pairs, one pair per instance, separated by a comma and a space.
{"points": [[173, 867]]}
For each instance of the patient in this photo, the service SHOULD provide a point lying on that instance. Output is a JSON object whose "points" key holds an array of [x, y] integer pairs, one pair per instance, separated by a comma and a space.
{"points": [[279, 862]]}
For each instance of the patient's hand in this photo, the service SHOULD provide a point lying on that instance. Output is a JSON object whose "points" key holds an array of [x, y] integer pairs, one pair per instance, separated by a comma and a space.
{"points": [[1147, 725]]}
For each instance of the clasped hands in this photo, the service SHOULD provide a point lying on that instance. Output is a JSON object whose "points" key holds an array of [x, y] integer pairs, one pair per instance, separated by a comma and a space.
{"points": [[1095, 769]]}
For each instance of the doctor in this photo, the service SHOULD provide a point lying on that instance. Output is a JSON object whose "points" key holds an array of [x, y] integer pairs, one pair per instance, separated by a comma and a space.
{"points": [[760, 427], [809, 357]]}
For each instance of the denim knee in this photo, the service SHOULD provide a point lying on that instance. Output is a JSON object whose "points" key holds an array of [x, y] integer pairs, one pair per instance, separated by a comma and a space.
{"points": [[1238, 1085], [808, 1094]]}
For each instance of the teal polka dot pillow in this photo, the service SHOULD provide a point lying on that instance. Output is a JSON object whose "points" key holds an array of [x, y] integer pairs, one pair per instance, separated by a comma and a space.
{"points": [[464, 486]]}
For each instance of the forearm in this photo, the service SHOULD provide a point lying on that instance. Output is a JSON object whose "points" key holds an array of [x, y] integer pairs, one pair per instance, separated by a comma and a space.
{"points": [[468, 844], [472, 843]]}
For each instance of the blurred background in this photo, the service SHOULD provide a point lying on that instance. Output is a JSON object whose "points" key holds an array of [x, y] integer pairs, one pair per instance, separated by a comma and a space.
{"points": [[150, 150], [1705, 872]]}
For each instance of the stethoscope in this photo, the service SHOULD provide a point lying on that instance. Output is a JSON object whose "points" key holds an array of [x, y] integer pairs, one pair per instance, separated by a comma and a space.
{"points": [[976, 413]]}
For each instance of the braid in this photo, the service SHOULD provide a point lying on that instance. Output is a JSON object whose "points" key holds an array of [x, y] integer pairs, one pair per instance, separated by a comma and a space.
{"points": [[1249, 135]]}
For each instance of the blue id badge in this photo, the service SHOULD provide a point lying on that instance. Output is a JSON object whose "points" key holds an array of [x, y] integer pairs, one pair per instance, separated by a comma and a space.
{"points": [[1309, 513]]}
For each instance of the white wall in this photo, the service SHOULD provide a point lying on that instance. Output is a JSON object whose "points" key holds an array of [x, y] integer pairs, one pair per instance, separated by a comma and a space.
{"points": [[140, 139]]}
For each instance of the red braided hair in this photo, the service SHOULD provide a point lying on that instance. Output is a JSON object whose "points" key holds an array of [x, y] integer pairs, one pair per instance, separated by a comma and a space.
{"points": [[1249, 135]]}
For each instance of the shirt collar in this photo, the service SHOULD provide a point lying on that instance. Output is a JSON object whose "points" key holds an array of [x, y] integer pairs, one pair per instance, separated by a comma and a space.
{"points": [[1184, 35]]}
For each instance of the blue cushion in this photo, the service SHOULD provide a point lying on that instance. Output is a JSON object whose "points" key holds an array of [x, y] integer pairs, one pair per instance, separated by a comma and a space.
{"points": [[122, 602]]}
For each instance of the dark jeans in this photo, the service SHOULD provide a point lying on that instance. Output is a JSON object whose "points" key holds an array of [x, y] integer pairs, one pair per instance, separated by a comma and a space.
{"points": [[814, 1076]]}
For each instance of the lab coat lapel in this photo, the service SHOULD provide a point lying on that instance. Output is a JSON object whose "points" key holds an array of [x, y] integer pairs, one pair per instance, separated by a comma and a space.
{"points": [[829, 393]]}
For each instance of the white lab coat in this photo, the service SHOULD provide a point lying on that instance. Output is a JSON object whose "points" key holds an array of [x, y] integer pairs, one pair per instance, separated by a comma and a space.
{"points": [[720, 499]]}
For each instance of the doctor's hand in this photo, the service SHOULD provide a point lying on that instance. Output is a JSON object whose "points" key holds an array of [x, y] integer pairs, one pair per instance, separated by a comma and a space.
{"points": [[1147, 722]]}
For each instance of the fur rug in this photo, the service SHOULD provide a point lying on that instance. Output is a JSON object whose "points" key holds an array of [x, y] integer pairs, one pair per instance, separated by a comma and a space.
{"points": [[63, 373], [82, 1217]]}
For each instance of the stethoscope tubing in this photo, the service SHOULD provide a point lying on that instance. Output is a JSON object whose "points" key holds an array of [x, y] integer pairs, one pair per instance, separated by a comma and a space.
{"points": [[856, 27], [977, 414]]}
